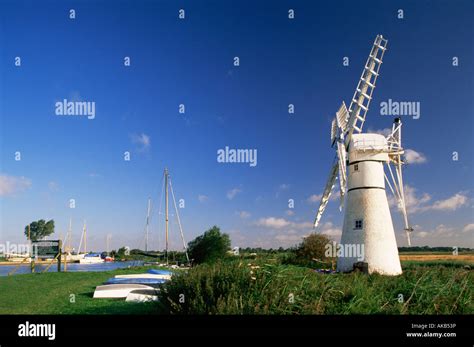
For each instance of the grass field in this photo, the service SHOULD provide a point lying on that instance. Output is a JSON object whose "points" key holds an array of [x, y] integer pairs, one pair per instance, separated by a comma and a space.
{"points": [[263, 287], [50, 293]]}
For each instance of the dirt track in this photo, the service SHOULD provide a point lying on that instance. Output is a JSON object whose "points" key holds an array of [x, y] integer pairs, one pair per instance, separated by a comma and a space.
{"points": [[428, 257]]}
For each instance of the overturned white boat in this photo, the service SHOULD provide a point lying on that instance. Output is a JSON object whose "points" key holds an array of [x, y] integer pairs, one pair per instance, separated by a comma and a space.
{"points": [[143, 295], [120, 290]]}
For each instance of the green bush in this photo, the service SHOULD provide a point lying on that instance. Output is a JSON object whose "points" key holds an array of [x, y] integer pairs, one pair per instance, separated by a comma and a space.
{"points": [[209, 247], [310, 253]]}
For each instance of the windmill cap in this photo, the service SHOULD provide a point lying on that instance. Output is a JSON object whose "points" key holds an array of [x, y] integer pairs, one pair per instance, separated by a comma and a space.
{"points": [[368, 146]]}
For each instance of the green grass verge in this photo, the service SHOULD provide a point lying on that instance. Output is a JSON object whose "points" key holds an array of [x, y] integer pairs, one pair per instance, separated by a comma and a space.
{"points": [[50, 293]]}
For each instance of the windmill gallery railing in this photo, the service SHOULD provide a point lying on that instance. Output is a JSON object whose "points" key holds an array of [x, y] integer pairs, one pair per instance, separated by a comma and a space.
{"points": [[371, 144]]}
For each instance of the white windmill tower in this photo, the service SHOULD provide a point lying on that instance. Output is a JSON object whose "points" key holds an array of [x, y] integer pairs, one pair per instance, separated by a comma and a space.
{"points": [[367, 219]]}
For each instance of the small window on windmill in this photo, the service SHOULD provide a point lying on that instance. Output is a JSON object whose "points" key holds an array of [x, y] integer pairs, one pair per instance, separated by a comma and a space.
{"points": [[356, 167], [358, 224]]}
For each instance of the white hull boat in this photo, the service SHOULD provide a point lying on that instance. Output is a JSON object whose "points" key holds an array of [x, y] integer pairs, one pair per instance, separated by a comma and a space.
{"points": [[119, 290], [91, 259], [142, 295], [19, 259], [73, 257]]}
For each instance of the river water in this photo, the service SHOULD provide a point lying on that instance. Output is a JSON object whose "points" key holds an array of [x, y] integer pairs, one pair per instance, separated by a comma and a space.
{"points": [[71, 267]]}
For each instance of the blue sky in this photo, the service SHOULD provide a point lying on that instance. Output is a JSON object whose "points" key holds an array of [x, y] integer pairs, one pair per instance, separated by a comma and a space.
{"points": [[190, 62]]}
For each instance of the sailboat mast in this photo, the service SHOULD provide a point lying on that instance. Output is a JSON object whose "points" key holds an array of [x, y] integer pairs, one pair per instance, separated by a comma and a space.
{"points": [[166, 213], [147, 224], [107, 243], [84, 231], [185, 247], [68, 248], [67, 243]]}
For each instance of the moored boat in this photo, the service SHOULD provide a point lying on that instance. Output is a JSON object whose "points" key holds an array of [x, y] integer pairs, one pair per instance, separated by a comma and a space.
{"points": [[91, 258], [17, 258]]}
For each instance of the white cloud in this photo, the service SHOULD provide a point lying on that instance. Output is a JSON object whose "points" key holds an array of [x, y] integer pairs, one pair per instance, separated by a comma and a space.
{"points": [[443, 235], [439, 231], [279, 223], [243, 214], [290, 212], [293, 236], [203, 198], [414, 202], [414, 157], [10, 185], [443, 230], [450, 204], [232, 193], [330, 229], [303, 225], [419, 203], [272, 222], [468, 228], [143, 140], [422, 234], [314, 198]]}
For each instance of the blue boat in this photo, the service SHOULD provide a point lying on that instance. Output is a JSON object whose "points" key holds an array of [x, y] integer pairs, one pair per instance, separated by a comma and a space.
{"points": [[159, 272], [135, 281]]}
